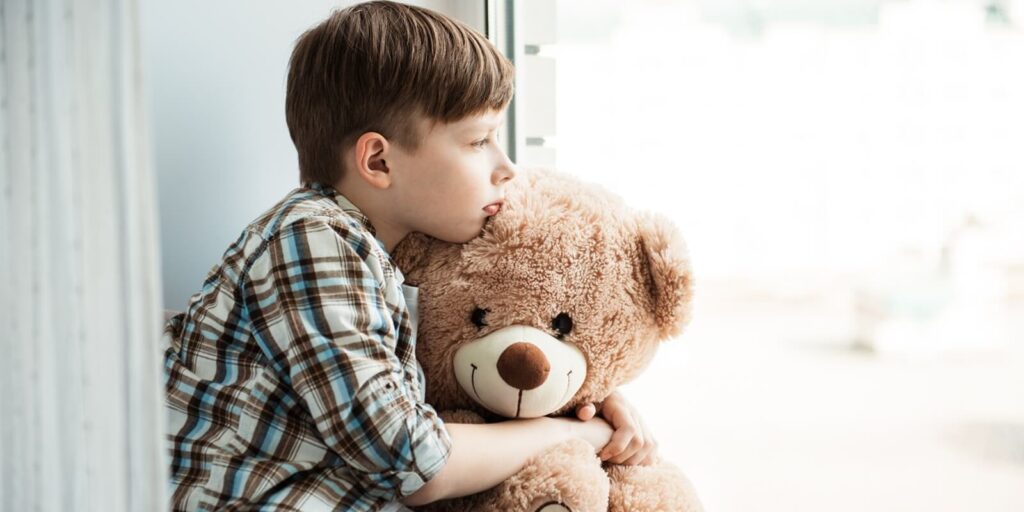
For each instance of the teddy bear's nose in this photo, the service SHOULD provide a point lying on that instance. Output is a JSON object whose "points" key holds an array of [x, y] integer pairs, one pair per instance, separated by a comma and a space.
{"points": [[523, 366]]}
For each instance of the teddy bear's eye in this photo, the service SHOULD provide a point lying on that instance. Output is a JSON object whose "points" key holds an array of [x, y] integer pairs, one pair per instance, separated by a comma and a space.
{"points": [[478, 317], [562, 324]]}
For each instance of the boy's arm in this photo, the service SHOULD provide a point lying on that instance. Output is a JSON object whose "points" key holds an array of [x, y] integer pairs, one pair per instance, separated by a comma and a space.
{"points": [[484, 455], [322, 322]]}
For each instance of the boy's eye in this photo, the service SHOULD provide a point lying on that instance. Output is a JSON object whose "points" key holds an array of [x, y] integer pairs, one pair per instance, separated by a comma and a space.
{"points": [[480, 143]]}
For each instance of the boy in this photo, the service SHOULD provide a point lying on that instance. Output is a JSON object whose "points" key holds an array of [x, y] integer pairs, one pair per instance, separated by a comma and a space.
{"points": [[291, 379]]}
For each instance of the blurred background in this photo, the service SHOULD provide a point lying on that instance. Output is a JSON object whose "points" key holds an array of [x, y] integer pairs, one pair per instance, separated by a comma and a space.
{"points": [[850, 178], [849, 175]]}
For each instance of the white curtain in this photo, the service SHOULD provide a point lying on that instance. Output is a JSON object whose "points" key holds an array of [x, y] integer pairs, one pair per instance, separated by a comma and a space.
{"points": [[81, 400]]}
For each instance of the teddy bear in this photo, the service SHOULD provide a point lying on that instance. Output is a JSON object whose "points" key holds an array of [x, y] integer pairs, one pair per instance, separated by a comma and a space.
{"points": [[564, 296]]}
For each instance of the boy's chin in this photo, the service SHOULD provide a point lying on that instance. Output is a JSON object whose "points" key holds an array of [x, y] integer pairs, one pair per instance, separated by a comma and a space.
{"points": [[462, 236], [461, 239]]}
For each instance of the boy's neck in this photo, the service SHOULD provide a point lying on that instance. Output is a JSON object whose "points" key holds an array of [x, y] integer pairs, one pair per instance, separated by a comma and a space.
{"points": [[370, 204]]}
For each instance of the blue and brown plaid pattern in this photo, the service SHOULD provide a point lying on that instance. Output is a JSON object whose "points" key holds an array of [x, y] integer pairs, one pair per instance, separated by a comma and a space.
{"points": [[291, 379]]}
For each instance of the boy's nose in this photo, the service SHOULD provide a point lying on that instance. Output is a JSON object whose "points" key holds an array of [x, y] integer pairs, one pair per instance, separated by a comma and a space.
{"points": [[506, 169], [505, 173], [523, 366], [512, 171]]}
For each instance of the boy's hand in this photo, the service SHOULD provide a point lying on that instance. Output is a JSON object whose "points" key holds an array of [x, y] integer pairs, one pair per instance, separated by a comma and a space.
{"points": [[632, 443]]}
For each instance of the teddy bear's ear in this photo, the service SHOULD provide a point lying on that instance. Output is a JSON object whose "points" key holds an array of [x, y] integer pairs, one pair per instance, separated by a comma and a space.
{"points": [[671, 279]]}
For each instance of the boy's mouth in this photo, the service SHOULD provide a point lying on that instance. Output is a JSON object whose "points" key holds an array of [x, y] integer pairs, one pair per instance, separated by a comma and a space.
{"points": [[492, 208]]}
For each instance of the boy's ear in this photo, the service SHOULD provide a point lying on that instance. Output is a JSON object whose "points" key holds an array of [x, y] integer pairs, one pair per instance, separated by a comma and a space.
{"points": [[370, 149], [667, 261]]}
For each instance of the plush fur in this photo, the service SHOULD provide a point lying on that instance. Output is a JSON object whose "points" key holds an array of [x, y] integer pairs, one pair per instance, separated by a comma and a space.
{"points": [[559, 246]]}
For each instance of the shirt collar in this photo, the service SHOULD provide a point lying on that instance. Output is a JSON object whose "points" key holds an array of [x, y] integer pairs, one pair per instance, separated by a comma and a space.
{"points": [[352, 210], [345, 205]]}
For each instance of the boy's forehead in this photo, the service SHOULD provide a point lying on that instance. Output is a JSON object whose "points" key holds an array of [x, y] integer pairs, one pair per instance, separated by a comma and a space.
{"points": [[491, 119], [488, 120]]}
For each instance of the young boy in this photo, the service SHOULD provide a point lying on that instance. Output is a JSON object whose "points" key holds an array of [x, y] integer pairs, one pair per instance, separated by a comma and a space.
{"points": [[291, 379]]}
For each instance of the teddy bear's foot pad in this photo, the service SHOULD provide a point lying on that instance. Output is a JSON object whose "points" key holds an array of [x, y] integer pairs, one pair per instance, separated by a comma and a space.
{"points": [[554, 507]]}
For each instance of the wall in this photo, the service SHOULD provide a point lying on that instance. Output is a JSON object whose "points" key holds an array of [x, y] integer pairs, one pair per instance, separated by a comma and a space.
{"points": [[215, 82]]}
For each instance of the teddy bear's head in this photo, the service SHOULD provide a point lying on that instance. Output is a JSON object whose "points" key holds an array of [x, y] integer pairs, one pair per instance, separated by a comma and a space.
{"points": [[565, 295]]}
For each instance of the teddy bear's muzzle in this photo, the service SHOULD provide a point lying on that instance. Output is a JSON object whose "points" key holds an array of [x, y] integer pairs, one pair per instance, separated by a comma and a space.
{"points": [[520, 371]]}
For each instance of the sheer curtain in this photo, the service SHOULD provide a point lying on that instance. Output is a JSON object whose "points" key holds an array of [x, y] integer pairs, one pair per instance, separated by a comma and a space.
{"points": [[81, 418]]}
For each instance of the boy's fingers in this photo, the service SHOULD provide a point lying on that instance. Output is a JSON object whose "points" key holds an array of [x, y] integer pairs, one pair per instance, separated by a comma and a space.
{"points": [[586, 411], [642, 455], [635, 445], [615, 445], [652, 454], [651, 460], [648, 454], [647, 431], [625, 430], [620, 441]]}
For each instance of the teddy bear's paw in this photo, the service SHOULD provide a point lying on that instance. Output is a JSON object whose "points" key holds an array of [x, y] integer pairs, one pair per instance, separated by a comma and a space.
{"points": [[659, 487]]}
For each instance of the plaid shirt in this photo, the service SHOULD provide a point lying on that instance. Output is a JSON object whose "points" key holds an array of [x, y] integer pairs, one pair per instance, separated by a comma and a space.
{"points": [[291, 379]]}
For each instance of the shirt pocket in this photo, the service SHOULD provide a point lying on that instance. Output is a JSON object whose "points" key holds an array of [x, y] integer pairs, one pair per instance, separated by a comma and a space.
{"points": [[290, 421]]}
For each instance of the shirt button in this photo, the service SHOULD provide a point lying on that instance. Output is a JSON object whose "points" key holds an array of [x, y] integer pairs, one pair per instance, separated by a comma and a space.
{"points": [[411, 484]]}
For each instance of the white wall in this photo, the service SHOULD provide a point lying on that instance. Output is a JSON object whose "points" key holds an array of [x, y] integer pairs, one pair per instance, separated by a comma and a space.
{"points": [[215, 82]]}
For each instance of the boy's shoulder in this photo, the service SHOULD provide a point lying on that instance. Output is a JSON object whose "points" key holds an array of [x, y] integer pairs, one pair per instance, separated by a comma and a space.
{"points": [[314, 202], [309, 213]]}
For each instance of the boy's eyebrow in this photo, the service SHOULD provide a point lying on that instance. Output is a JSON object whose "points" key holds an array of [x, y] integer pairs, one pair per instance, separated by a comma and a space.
{"points": [[484, 124]]}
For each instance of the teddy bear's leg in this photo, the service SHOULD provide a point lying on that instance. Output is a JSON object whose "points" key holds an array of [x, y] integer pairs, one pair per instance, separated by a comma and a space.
{"points": [[566, 478], [658, 487]]}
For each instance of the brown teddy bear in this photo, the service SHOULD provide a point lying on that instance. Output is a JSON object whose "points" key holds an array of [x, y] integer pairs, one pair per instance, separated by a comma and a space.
{"points": [[564, 297]]}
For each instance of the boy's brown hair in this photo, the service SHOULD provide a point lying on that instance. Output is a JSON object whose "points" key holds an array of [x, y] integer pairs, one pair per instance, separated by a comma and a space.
{"points": [[381, 66]]}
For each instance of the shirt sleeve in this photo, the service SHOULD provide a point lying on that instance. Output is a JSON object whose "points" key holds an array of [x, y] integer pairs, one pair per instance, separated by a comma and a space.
{"points": [[321, 316]]}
